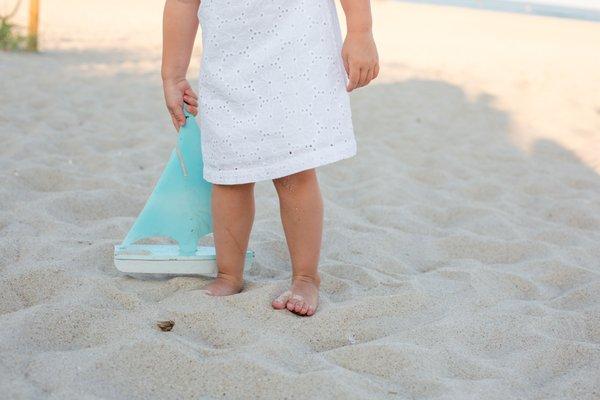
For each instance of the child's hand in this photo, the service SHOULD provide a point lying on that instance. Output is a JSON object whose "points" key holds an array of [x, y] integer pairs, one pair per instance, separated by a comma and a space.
{"points": [[177, 93], [360, 59]]}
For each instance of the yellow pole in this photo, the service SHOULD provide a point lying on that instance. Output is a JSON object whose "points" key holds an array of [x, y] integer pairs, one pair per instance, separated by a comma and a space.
{"points": [[34, 16]]}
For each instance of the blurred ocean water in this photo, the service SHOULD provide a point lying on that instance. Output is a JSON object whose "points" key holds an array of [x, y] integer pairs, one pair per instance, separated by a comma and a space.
{"points": [[578, 9]]}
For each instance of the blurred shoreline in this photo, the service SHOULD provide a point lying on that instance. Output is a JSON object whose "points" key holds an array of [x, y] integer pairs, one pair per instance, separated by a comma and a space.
{"points": [[583, 10]]}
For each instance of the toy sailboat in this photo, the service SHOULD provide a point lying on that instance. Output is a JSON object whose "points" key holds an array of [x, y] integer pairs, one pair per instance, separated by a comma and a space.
{"points": [[179, 208]]}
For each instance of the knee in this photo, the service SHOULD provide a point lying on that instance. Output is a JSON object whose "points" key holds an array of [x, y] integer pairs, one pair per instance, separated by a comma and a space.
{"points": [[288, 184]]}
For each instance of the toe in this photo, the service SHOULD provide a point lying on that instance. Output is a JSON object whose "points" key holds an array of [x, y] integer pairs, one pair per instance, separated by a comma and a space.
{"points": [[280, 302], [291, 304], [310, 311], [297, 302], [298, 306], [304, 309]]}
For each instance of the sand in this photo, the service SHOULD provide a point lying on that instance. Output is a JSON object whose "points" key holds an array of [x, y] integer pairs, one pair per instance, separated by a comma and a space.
{"points": [[461, 256]]}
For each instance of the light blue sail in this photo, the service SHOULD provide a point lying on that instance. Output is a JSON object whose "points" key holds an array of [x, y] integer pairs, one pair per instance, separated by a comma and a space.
{"points": [[179, 206]]}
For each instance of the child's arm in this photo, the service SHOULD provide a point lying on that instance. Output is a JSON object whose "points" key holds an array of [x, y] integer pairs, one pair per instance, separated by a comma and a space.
{"points": [[180, 24], [359, 51]]}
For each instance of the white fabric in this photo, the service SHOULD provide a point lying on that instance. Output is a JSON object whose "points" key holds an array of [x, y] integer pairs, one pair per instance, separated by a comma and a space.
{"points": [[271, 89]]}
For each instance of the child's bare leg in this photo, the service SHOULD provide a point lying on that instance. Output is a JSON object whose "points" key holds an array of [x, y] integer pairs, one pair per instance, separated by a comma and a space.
{"points": [[233, 215], [301, 210]]}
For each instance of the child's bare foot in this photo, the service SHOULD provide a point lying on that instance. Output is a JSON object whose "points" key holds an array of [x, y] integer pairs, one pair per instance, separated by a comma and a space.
{"points": [[303, 296], [224, 285]]}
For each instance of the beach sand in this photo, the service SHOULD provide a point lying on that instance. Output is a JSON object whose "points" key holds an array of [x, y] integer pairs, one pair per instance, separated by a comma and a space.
{"points": [[461, 254]]}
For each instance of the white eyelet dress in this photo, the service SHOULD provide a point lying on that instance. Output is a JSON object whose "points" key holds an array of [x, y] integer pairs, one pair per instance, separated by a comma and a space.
{"points": [[272, 89]]}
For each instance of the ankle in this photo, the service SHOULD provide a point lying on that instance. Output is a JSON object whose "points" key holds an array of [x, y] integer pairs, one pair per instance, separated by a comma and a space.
{"points": [[235, 280], [315, 279]]}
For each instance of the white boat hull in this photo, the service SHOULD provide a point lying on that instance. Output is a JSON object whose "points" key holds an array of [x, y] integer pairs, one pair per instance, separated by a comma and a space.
{"points": [[165, 259]]}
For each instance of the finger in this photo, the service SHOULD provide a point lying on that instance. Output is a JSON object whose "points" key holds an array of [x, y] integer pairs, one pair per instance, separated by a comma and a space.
{"points": [[376, 71], [190, 101], [364, 73], [177, 113], [175, 123], [353, 78], [190, 92], [193, 110], [346, 65], [369, 77]]}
